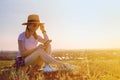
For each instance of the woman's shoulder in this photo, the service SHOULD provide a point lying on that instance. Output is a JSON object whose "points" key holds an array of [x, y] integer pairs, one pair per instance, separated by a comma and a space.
{"points": [[21, 36], [22, 33]]}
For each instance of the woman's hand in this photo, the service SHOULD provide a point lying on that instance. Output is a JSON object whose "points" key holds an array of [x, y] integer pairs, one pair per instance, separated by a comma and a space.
{"points": [[41, 46], [42, 28]]}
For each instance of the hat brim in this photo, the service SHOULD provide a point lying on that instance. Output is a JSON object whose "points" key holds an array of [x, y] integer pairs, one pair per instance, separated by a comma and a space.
{"points": [[31, 22]]}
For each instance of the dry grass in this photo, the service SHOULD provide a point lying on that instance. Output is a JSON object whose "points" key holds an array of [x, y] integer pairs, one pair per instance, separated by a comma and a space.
{"points": [[92, 65]]}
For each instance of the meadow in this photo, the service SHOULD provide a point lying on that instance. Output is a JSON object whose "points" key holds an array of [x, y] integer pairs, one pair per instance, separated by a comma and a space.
{"points": [[91, 65]]}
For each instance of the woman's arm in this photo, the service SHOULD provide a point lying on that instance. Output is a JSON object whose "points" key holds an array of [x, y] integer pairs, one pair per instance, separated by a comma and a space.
{"points": [[45, 36], [24, 52], [40, 39]]}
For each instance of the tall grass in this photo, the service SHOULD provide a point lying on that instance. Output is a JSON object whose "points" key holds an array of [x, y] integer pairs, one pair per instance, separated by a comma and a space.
{"points": [[92, 65]]}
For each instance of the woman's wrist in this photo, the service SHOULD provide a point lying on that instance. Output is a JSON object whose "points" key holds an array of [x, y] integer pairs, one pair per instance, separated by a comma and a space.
{"points": [[44, 31]]}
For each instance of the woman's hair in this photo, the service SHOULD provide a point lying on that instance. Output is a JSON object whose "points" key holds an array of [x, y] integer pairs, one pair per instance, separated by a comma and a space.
{"points": [[27, 34]]}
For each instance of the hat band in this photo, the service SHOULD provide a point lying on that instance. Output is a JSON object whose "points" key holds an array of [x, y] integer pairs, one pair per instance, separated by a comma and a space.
{"points": [[30, 21]]}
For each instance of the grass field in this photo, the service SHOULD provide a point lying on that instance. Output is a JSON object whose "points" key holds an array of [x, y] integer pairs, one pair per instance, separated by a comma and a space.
{"points": [[92, 65]]}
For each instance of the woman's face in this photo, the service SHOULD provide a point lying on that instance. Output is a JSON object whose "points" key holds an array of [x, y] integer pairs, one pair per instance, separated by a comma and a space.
{"points": [[32, 27]]}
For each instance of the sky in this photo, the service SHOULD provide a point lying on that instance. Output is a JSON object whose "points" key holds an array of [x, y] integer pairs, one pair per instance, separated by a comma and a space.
{"points": [[70, 24]]}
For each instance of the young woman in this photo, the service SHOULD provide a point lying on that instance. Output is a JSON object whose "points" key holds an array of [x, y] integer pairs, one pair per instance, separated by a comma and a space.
{"points": [[29, 51]]}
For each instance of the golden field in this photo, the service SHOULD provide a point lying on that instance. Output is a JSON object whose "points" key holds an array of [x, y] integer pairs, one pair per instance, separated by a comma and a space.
{"points": [[91, 65]]}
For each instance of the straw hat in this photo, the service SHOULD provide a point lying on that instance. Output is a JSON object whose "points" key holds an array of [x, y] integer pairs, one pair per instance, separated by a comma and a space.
{"points": [[33, 19]]}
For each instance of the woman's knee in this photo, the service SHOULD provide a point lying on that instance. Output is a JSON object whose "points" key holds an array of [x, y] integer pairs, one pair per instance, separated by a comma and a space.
{"points": [[39, 49], [44, 47]]}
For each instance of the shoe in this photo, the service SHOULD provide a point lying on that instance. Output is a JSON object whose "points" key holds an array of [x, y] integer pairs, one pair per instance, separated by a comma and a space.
{"points": [[47, 68]]}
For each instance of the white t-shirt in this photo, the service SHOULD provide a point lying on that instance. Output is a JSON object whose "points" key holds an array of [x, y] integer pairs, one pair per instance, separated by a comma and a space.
{"points": [[30, 43]]}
